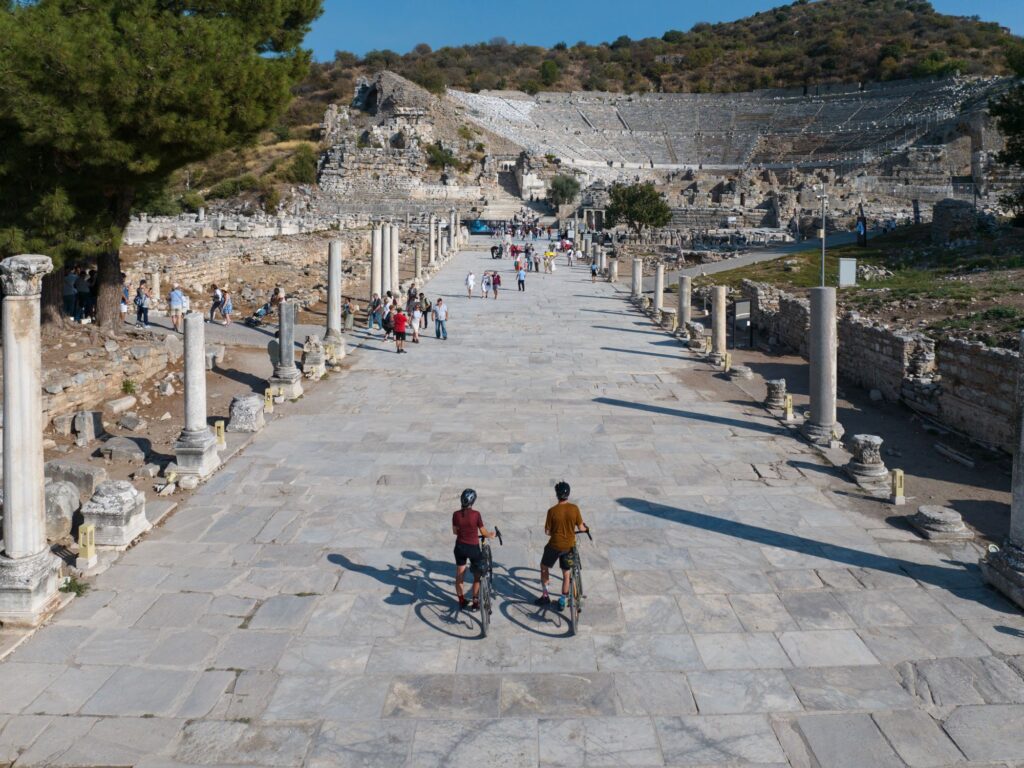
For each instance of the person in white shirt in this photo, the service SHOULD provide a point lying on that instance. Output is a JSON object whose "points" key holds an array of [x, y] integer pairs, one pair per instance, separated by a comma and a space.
{"points": [[485, 285], [470, 283], [441, 319]]}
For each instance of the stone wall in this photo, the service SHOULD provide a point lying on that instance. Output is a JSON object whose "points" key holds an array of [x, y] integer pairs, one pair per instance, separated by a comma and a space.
{"points": [[976, 396]]}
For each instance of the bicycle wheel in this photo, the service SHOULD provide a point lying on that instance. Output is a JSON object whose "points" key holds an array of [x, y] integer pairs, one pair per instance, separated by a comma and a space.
{"points": [[485, 607]]}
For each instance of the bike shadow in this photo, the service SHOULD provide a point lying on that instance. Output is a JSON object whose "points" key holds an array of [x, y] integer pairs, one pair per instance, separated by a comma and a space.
{"points": [[448, 619], [518, 606]]}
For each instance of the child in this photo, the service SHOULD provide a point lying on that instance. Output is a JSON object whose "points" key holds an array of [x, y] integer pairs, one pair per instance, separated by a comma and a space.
{"points": [[400, 319]]}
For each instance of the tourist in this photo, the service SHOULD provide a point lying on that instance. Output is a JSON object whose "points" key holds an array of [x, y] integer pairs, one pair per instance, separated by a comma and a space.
{"points": [[426, 307], [216, 301], [176, 303], [125, 295], [399, 320], [561, 525], [142, 300], [388, 318], [569, 253], [495, 283], [94, 294], [276, 298], [81, 296], [485, 285], [68, 292], [468, 527], [411, 299], [470, 282], [373, 313], [593, 271], [417, 318], [441, 319], [348, 314], [226, 307], [522, 279]]}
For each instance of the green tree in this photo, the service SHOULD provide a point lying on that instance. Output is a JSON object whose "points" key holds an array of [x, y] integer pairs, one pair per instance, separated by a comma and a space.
{"points": [[563, 189], [549, 72], [637, 206], [1009, 114], [100, 102]]}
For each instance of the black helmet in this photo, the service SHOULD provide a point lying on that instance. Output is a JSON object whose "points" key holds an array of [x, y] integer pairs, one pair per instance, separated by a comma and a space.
{"points": [[562, 490], [468, 497]]}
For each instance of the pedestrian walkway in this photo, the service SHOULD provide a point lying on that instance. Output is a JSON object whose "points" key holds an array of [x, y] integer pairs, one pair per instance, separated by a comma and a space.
{"points": [[299, 609]]}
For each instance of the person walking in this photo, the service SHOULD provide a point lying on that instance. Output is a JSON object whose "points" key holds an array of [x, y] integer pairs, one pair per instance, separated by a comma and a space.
{"points": [[522, 279], [81, 295], [470, 283], [388, 320], [441, 319], [216, 301], [495, 283], [400, 321], [226, 307], [373, 313], [417, 318], [142, 299], [593, 271], [176, 303], [485, 285], [425, 307]]}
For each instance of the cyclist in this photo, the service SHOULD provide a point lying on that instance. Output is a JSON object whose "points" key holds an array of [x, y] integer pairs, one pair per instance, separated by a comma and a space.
{"points": [[468, 527], [561, 525]]}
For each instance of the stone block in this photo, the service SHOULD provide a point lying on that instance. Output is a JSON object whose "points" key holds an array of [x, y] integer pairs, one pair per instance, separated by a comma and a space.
{"points": [[87, 426], [85, 478], [62, 424], [124, 450], [62, 501], [246, 414], [174, 347], [120, 405], [940, 524], [132, 422], [118, 510]]}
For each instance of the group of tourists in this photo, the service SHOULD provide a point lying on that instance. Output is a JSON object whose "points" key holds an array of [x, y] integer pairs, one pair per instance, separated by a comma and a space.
{"points": [[490, 282], [400, 319], [79, 293]]}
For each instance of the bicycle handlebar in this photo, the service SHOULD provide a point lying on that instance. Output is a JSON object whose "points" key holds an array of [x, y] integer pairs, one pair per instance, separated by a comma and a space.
{"points": [[497, 533], [587, 531]]}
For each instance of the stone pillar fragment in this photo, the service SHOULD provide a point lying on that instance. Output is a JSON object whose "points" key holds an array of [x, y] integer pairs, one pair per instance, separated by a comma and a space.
{"points": [[637, 286], [396, 277], [613, 271], [375, 262], [385, 258], [718, 335], [684, 309], [28, 570], [776, 397], [118, 511], [196, 448], [822, 428], [287, 379], [432, 240], [333, 334], [866, 465], [417, 264], [659, 288], [1004, 567]]}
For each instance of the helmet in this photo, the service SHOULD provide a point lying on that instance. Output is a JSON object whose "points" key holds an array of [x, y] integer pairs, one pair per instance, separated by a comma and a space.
{"points": [[468, 497], [562, 490]]}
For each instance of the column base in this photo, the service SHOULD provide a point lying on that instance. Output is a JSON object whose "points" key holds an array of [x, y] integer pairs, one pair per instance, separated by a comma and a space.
{"points": [[28, 589], [334, 337], [196, 454], [1004, 570], [288, 382], [867, 473], [821, 434], [118, 510]]}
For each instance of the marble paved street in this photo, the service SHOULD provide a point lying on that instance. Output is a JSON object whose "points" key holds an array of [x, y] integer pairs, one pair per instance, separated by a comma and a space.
{"points": [[299, 609]]}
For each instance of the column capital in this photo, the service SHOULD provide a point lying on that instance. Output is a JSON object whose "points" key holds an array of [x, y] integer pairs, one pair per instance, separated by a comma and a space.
{"points": [[23, 275]]}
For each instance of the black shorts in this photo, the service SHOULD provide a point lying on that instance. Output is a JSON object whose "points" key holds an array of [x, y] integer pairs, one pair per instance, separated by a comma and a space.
{"points": [[470, 552], [551, 555], [400, 335]]}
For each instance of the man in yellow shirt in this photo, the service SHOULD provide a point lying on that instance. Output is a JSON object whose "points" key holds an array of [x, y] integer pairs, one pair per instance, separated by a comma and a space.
{"points": [[561, 525]]}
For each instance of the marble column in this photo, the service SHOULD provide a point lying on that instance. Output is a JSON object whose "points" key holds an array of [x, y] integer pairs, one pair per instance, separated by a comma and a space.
{"points": [[287, 377], [659, 288], [718, 300], [195, 452], [637, 287], [385, 258], [154, 286], [333, 336], [822, 428], [452, 241], [613, 271], [1004, 569], [684, 310], [433, 242], [396, 276], [417, 261], [28, 570], [375, 262]]}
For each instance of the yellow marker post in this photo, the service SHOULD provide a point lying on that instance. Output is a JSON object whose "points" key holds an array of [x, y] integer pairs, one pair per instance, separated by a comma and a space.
{"points": [[727, 361], [899, 493], [789, 408], [268, 400], [218, 427], [87, 542]]}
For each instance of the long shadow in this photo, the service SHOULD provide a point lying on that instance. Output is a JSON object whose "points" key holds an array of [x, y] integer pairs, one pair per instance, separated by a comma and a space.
{"points": [[255, 383], [626, 330], [721, 420], [408, 582], [639, 352], [962, 575]]}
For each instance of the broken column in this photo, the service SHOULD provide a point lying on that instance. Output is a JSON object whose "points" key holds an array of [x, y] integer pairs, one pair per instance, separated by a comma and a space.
{"points": [[637, 287], [684, 310], [433, 243], [822, 428], [866, 465], [718, 336], [246, 414], [395, 274], [196, 449], [452, 242], [1004, 568], [118, 512], [613, 271], [28, 570], [659, 288], [333, 335], [417, 264], [385, 258], [287, 380], [375, 262], [776, 397], [314, 359]]}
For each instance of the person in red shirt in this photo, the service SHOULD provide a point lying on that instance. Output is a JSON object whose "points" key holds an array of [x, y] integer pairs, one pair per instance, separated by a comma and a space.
{"points": [[400, 320], [468, 527]]}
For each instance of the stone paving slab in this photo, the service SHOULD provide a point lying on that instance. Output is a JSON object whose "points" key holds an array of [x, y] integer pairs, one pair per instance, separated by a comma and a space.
{"points": [[299, 609]]}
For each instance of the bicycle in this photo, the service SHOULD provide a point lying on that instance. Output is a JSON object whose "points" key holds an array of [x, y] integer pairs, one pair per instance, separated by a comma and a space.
{"points": [[486, 577], [576, 594]]}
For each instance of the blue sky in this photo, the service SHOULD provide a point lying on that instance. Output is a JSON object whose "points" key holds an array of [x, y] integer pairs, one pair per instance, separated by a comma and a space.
{"points": [[401, 24]]}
